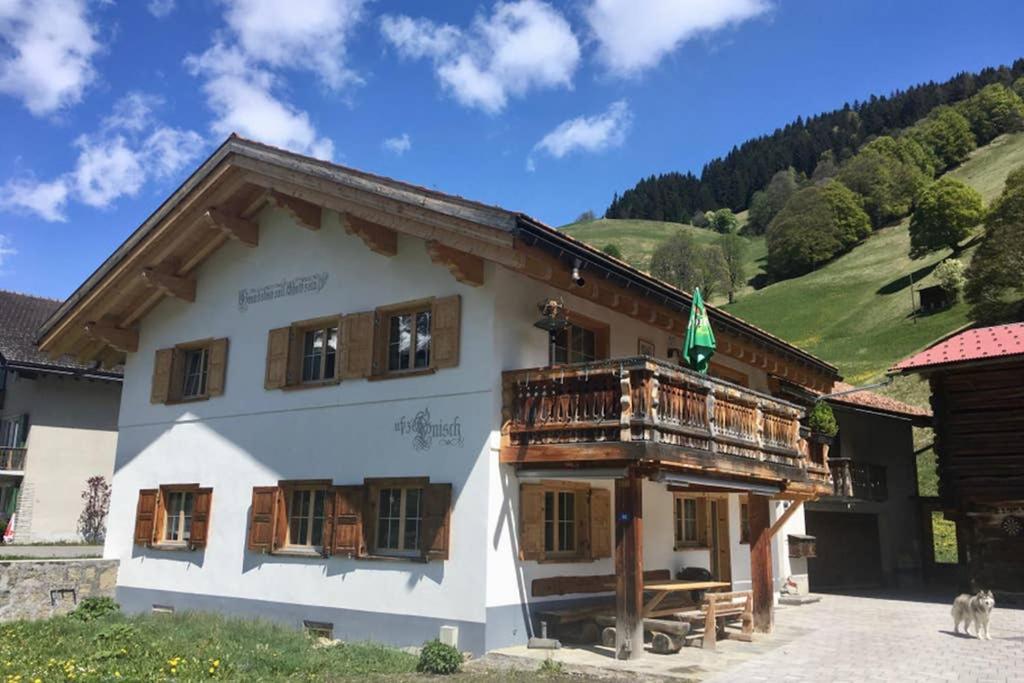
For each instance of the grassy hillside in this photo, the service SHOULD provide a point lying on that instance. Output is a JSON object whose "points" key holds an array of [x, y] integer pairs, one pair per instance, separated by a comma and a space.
{"points": [[637, 239]]}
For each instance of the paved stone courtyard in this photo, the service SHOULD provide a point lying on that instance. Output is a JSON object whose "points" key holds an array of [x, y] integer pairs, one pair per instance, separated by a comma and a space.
{"points": [[842, 638]]}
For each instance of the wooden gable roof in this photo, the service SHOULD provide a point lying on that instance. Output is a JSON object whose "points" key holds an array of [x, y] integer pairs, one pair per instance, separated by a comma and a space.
{"points": [[219, 201]]}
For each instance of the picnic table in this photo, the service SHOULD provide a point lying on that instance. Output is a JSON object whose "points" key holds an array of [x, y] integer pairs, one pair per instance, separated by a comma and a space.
{"points": [[663, 589]]}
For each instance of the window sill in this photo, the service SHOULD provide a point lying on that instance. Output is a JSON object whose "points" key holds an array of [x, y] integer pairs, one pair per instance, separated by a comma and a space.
{"points": [[190, 399], [395, 374], [171, 546], [312, 385], [418, 559], [310, 553], [690, 546]]}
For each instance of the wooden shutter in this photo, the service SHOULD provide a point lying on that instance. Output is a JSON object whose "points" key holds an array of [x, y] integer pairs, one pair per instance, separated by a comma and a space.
{"points": [[600, 523], [435, 529], [278, 340], [295, 339], [200, 517], [280, 519], [216, 367], [261, 518], [702, 522], [357, 336], [582, 499], [445, 317], [347, 522], [160, 392], [145, 517], [177, 375], [531, 522]]}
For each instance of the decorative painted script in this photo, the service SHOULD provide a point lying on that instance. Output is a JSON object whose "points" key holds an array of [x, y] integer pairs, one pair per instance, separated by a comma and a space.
{"points": [[426, 433], [304, 284]]}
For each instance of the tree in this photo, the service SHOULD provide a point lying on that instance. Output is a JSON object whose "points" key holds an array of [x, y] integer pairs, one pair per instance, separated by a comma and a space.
{"points": [[766, 203], [699, 219], [946, 211], [947, 134], [723, 221], [734, 252], [993, 111], [817, 223], [612, 250], [882, 175], [995, 278], [950, 274], [92, 523], [587, 216], [680, 261], [825, 169]]}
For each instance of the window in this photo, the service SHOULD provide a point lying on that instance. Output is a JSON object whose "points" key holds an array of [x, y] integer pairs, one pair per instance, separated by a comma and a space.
{"points": [[564, 521], [690, 521], [559, 522], [190, 372], [13, 431], [582, 341], [399, 515], [409, 336], [306, 508], [195, 369], [178, 506], [319, 353], [744, 523], [173, 517]]}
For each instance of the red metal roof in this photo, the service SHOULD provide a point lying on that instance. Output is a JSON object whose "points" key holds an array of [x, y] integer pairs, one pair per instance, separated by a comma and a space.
{"points": [[977, 344]]}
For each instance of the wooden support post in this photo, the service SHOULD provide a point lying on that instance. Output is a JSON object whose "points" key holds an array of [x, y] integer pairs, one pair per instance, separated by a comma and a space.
{"points": [[164, 279], [759, 517], [629, 567], [238, 229], [781, 521], [106, 332]]}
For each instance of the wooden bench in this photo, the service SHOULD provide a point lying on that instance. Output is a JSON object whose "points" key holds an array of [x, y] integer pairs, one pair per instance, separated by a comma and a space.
{"points": [[718, 611]]}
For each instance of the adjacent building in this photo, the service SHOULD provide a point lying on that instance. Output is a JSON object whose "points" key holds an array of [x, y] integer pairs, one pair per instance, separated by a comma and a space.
{"points": [[376, 409], [58, 426], [977, 386]]}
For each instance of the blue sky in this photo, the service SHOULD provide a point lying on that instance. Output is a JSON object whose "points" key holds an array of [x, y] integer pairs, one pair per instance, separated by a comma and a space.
{"points": [[546, 108]]}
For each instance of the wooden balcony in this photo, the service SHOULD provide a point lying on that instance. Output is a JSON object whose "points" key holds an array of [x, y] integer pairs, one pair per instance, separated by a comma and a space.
{"points": [[857, 480], [641, 409], [12, 460]]}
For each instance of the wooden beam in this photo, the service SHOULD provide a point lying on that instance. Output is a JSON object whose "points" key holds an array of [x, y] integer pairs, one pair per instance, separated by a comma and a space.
{"points": [[759, 519], [466, 268], [121, 339], [163, 279], [781, 521], [379, 239], [306, 214], [239, 229], [629, 567]]}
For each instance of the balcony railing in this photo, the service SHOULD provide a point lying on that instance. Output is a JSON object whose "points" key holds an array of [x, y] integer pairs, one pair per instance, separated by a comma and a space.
{"points": [[645, 400], [858, 480], [12, 459]]}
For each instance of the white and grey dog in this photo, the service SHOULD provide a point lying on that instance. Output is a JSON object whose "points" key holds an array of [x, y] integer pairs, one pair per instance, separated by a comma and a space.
{"points": [[973, 609]]}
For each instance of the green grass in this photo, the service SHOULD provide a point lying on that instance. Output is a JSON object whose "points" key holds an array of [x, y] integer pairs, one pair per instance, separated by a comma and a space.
{"points": [[637, 240], [182, 647]]}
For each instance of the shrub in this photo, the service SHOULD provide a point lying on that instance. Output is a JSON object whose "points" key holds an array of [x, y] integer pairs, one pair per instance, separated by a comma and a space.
{"points": [[438, 658], [946, 212], [612, 250], [94, 608], [92, 523], [822, 420], [950, 274], [551, 668]]}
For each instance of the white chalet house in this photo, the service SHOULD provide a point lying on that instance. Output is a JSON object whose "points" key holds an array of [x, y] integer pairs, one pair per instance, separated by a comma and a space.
{"points": [[339, 411]]}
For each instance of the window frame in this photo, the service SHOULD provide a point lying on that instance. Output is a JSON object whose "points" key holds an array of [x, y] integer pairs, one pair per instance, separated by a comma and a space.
{"points": [[158, 531], [323, 324], [559, 522], [374, 487], [700, 514], [601, 331], [179, 370], [744, 522], [165, 493], [288, 489], [582, 525], [383, 339]]}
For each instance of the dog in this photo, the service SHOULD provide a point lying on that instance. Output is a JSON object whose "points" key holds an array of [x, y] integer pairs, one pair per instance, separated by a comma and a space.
{"points": [[973, 609]]}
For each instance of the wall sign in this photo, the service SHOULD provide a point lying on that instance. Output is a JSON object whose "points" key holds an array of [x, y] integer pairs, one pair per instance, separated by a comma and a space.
{"points": [[304, 284], [426, 433]]}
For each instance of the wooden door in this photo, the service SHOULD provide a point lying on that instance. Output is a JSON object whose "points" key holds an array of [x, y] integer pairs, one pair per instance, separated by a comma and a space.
{"points": [[718, 535]]}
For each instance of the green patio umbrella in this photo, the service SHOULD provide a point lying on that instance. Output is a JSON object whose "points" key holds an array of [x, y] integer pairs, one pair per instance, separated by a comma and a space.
{"points": [[699, 345]]}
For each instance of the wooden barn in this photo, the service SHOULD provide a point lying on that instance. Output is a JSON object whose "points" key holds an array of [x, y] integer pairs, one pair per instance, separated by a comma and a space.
{"points": [[977, 384]]}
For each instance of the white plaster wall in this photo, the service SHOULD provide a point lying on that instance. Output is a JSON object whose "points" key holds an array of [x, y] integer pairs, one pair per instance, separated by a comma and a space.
{"points": [[253, 437], [72, 436]]}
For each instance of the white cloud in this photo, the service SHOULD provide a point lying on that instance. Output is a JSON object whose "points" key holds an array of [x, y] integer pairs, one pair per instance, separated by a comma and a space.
{"points": [[130, 148], [45, 199], [520, 46], [160, 8], [6, 250], [46, 52], [241, 96], [586, 133], [399, 144], [634, 35], [305, 34]]}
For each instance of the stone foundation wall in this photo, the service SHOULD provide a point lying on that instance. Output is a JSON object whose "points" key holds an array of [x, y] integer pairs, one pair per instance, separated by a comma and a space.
{"points": [[37, 589]]}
